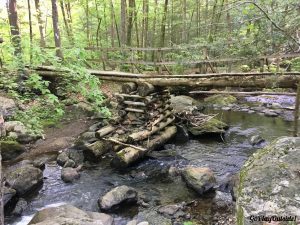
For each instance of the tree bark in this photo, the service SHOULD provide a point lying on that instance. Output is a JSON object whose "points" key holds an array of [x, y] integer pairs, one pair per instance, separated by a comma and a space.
{"points": [[30, 28], [14, 27], [123, 21], [56, 30], [40, 22], [61, 2], [163, 24]]}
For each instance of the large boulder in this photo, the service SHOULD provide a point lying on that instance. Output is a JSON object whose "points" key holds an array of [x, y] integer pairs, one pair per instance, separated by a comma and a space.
{"points": [[211, 126], [269, 182], [10, 150], [220, 99], [183, 103], [17, 130], [118, 195], [7, 106], [24, 179], [199, 179], [68, 214]]}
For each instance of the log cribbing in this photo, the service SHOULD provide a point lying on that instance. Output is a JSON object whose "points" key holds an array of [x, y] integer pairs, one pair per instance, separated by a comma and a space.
{"points": [[243, 93], [104, 131], [141, 135]]}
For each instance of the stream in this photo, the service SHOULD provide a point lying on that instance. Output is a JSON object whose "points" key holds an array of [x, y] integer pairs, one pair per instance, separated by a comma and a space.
{"points": [[223, 155]]}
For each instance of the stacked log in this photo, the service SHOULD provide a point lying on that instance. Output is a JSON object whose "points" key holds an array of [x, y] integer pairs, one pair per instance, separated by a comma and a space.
{"points": [[144, 123]]}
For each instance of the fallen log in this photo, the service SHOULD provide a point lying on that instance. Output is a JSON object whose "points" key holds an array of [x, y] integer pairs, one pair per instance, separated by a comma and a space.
{"points": [[129, 87], [97, 149], [145, 89], [104, 131], [254, 81], [129, 155], [131, 103], [129, 96], [134, 110], [243, 93], [160, 118], [141, 135], [124, 144]]}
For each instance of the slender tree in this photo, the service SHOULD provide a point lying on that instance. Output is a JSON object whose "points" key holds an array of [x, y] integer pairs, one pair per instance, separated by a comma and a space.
{"points": [[163, 24], [40, 22], [123, 21], [56, 31], [14, 27], [30, 28]]}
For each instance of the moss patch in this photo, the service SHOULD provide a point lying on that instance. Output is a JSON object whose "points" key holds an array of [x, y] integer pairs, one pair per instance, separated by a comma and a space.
{"points": [[220, 99]]}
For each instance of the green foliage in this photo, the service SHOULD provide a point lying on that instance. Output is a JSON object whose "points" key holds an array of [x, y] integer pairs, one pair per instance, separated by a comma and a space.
{"points": [[296, 64], [245, 68]]}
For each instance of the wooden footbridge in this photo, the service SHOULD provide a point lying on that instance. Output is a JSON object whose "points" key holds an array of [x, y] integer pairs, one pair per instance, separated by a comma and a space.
{"points": [[145, 115]]}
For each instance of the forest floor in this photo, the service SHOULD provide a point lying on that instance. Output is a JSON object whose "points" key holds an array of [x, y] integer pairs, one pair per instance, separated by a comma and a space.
{"points": [[60, 136]]}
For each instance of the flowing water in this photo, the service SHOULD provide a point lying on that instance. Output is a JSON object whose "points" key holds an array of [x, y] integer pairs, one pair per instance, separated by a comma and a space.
{"points": [[223, 155]]}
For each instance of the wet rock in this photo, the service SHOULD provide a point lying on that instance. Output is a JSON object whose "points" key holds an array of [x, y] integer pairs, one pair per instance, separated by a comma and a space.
{"points": [[95, 126], [269, 182], [7, 106], [223, 201], [24, 179], [226, 108], [76, 156], [153, 217], [171, 210], [20, 207], [10, 150], [68, 214], [62, 158], [69, 174], [270, 113], [70, 158], [256, 139], [132, 222], [212, 126], [182, 134], [116, 196], [199, 179], [69, 163], [183, 103], [8, 194]]}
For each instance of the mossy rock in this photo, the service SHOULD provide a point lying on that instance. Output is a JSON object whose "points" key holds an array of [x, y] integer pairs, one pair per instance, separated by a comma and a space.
{"points": [[211, 126], [10, 150], [268, 183], [220, 99]]}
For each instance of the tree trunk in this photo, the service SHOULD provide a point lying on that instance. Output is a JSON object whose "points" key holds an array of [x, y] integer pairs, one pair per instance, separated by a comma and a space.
{"points": [[123, 22], [40, 22], [163, 24], [184, 24], [30, 28], [130, 22], [56, 31], [14, 27], [61, 2]]}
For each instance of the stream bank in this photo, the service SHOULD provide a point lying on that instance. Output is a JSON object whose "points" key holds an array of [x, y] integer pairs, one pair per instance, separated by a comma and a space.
{"points": [[157, 178]]}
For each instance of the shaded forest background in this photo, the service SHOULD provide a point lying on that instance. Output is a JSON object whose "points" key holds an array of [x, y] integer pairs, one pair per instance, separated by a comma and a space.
{"points": [[81, 29]]}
